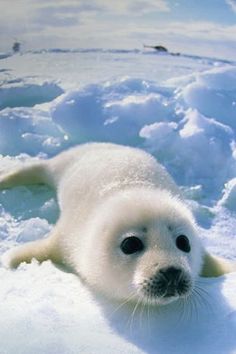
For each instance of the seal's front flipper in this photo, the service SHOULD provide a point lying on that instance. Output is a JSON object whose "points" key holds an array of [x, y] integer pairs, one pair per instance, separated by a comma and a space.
{"points": [[215, 266], [40, 250]]}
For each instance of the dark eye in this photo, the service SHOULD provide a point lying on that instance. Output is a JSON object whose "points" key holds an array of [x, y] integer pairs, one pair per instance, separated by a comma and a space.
{"points": [[131, 245], [182, 242]]}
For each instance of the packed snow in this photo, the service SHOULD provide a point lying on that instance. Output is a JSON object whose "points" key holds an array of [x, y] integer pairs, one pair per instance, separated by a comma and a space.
{"points": [[182, 110]]}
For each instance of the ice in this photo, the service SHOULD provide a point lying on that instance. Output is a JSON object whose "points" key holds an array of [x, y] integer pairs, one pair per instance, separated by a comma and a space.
{"points": [[218, 86], [114, 112], [185, 144], [25, 93], [31, 130], [182, 110], [229, 197]]}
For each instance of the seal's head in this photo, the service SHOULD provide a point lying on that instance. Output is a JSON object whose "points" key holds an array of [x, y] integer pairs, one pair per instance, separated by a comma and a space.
{"points": [[142, 243]]}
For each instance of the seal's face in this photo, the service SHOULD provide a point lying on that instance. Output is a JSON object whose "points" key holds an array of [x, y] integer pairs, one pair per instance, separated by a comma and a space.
{"points": [[146, 248], [162, 261]]}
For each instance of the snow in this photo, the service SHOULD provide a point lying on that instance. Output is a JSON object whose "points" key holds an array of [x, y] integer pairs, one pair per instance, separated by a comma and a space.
{"points": [[216, 86], [182, 110], [22, 92]]}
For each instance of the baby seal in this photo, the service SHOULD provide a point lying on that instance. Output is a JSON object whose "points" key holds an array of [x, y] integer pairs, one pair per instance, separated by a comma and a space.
{"points": [[123, 225]]}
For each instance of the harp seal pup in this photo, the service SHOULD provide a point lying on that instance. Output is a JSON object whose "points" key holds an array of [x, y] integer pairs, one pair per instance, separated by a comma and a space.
{"points": [[123, 225]]}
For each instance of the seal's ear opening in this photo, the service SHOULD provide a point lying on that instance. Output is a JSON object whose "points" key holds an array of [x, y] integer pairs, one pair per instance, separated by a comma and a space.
{"points": [[214, 266]]}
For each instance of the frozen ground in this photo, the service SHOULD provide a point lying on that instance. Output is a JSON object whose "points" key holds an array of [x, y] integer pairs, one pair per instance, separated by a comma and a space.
{"points": [[183, 110]]}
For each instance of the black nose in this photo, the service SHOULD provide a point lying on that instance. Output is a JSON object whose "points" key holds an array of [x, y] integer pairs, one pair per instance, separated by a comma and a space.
{"points": [[170, 281], [171, 274], [167, 282]]}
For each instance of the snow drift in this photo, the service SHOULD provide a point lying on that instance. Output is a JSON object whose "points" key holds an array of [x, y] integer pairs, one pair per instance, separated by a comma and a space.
{"points": [[188, 123]]}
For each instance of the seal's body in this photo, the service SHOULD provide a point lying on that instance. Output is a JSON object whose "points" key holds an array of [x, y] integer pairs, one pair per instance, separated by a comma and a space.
{"points": [[123, 225]]}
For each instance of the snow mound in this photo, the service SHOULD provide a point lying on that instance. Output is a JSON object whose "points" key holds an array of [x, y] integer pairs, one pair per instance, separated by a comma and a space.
{"points": [[182, 147], [213, 94], [113, 111], [31, 130], [229, 197], [23, 93], [171, 122]]}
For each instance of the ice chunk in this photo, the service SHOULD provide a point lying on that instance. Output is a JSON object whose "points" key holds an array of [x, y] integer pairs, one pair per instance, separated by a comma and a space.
{"points": [[113, 111], [193, 150], [30, 130], [22, 93], [229, 197], [214, 94]]}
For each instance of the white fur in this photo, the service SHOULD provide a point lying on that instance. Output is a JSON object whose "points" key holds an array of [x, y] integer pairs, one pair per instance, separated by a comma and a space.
{"points": [[105, 193], [127, 213]]}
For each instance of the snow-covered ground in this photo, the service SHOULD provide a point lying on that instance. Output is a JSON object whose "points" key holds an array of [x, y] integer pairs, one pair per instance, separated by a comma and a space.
{"points": [[181, 109]]}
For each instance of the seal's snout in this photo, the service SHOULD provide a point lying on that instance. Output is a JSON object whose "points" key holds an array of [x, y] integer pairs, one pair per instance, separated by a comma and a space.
{"points": [[171, 281], [171, 274], [167, 282]]}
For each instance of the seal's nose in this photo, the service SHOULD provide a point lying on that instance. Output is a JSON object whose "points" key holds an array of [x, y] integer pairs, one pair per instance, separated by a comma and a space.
{"points": [[170, 280], [171, 274]]}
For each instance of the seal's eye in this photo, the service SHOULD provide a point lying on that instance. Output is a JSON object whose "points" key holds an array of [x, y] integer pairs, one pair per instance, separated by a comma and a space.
{"points": [[182, 242], [131, 245]]}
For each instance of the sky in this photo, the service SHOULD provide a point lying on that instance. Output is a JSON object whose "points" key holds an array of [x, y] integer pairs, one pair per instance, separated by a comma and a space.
{"points": [[203, 27]]}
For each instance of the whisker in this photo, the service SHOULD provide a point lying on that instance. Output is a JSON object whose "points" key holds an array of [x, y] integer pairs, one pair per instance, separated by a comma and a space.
{"points": [[195, 304], [203, 291], [142, 312], [131, 318], [205, 297], [132, 296], [182, 310], [148, 317], [191, 306]]}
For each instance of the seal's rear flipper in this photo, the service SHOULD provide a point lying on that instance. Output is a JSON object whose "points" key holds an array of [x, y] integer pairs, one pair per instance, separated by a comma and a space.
{"points": [[27, 173], [215, 266]]}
